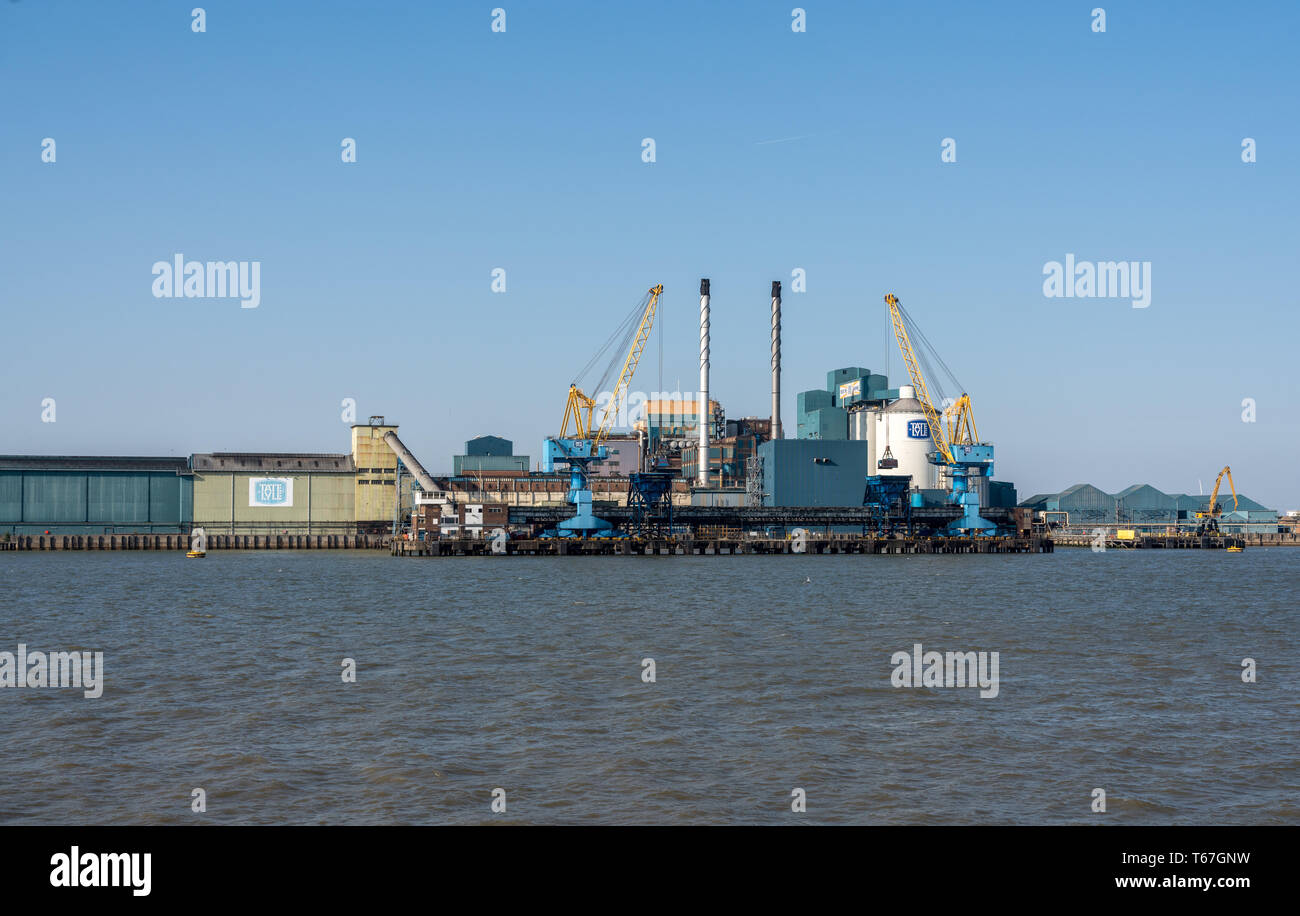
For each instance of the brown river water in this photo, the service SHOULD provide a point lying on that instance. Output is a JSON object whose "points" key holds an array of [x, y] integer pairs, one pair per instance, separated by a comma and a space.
{"points": [[1120, 671]]}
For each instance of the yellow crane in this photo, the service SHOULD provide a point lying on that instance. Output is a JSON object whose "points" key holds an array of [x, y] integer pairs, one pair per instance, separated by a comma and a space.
{"points": [[579, 407], [937, 432], [580, 442], [960, 417], [1213, 510], [956, 440]]}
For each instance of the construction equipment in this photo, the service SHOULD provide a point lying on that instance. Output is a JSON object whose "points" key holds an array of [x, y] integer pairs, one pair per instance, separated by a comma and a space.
{"points": [[1210, 517], [956, 442], [586, 444]]}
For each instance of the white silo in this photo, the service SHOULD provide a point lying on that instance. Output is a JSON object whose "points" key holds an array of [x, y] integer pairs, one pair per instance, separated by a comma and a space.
{"points": [[862, 427], [903, 432]]}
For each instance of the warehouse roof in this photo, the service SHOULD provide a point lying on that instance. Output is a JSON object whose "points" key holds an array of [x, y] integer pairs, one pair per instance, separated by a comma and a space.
{"points": [[1138, 496], [1145, 496], [272, 461], [91, 463]]}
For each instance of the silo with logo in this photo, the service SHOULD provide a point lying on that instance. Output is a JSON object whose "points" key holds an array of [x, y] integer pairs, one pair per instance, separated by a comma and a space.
{"points": [[903, 434]]}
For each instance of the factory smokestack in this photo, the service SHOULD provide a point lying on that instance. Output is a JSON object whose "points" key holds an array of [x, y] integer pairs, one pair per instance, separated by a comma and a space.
{"points": [[703, 415], [776, 359]]}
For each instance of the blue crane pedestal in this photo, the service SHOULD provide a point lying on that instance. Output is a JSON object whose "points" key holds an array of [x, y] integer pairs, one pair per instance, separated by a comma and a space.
{"points": [[578, 454], [970, 461]]}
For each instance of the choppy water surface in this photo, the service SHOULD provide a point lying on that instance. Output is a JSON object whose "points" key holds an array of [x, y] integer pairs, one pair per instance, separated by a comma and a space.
{"points": [[1118, 670]]}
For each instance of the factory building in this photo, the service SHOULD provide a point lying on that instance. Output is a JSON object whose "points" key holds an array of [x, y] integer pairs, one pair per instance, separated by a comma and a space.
{"points": [[100, 495], [624, 457], [728, 460], [1143, 505], [818, 418], [274, 493], [857, 405], [729, 456], [674, 423], [832, 412], [376, 488], [489, 455], [809, 472]]}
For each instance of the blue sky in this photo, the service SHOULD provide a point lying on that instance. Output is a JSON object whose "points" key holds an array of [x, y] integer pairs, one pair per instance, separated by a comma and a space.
{"points": [[522, 150]]}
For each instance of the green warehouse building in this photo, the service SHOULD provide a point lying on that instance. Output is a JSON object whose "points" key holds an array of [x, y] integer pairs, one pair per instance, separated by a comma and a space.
{"points": [[95, 495], [274, 493]]}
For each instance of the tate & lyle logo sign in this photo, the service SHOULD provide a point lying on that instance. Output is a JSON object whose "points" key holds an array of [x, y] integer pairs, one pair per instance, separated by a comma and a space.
{"points": [[918, 429], [270, 491]]}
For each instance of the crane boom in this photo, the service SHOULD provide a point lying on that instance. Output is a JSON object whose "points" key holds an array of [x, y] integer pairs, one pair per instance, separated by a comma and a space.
{"points": [[574, 409], [918, 380], [968, 461], [961, 422], [629, 365], [1213, 509], [587, 447], [579, 406]]}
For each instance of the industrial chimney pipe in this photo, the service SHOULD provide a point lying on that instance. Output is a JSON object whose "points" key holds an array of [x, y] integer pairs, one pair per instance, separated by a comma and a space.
{"points": [[776, 359], [703, 416]]}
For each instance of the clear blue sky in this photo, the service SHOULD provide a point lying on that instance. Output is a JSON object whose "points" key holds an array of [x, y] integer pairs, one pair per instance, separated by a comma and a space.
{"points": [[522, 150]]}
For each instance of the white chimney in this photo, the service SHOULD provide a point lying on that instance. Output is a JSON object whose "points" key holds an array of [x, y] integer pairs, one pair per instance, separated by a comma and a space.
{"points": [[704, 414], [776, 359]]}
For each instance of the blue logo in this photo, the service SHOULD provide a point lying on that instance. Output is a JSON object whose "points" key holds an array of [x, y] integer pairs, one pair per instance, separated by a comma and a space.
{"points": [[918, 429], [271, 492]]}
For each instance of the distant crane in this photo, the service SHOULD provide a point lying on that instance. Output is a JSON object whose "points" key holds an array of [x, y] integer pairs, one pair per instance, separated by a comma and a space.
{"points": [[1212, 511], [586, 444], [956, 442]]}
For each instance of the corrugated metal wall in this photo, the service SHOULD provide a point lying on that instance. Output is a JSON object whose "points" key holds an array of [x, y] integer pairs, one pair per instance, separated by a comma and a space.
{"points": [[79, 502], [812, 472], [322, 504]]}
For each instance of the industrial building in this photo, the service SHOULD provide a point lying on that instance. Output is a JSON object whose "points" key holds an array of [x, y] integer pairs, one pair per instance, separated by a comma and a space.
{"points": [[824, 413], [274, 493], [377, 489], [1143, 506], [728, 460], [239, 493], [99, 495], [730, 457], [674, 423], [804, 472], [858, 404], [489, 455]]}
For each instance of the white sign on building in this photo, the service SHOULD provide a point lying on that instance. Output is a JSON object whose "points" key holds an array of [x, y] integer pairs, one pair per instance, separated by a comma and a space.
{"points": [[276, 492]]}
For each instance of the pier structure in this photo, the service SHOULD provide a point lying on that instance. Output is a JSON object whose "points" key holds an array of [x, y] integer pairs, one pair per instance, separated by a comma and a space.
{"points": [[717, 546]]}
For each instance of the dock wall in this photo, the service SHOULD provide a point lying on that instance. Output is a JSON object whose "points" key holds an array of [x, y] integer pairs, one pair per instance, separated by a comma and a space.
{"points": [[182, 542]]}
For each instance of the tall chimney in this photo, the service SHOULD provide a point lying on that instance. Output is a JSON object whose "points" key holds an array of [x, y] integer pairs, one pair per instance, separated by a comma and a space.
{"points": [[704, 413], [776, 359]]}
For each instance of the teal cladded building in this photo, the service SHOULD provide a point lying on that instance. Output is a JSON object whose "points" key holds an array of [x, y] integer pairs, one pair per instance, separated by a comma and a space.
{"points": [[95, 495]]}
